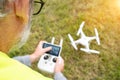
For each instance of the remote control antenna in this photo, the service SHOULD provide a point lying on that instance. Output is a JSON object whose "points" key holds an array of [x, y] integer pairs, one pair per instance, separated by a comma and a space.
{"points": [[61, 42], [53, 39]]}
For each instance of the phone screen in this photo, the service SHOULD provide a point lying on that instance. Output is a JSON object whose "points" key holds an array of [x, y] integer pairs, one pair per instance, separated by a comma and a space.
{"points": [[55, 49]]}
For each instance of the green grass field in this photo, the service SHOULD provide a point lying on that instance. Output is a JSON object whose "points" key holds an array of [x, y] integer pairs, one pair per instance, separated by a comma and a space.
{"points": [[60, 17]]}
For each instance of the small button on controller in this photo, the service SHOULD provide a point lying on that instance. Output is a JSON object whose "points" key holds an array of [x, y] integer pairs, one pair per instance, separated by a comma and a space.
{"points": [[54, 60], [46, 57]]}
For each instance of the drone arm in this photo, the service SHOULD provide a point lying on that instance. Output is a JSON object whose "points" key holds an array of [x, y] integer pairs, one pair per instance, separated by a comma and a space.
{"points": [[80, 29], [91, 38], [72, 42]]}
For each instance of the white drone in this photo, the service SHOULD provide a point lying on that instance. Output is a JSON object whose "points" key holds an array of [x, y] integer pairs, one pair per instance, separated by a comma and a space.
{"points": [[84, 40]]}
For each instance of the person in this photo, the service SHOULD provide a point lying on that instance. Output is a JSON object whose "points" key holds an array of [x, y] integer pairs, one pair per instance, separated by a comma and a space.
{"points": [[15, 18]]}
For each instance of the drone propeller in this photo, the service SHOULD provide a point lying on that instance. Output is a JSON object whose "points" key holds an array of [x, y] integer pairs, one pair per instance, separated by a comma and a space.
{"points": [[72, 42], [89, 51], [80, 29], [97, 37]]}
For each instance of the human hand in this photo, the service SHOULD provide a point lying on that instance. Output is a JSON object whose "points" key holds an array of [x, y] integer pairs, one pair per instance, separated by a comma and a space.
{"points": [[39, 51], [59, 65]]}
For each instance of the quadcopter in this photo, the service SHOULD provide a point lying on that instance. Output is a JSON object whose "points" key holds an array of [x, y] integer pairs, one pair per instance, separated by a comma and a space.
{"points": [[84, 40]]}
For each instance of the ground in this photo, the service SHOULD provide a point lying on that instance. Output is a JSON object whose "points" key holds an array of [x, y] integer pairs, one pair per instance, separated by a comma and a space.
{"points": [[60, 17]]}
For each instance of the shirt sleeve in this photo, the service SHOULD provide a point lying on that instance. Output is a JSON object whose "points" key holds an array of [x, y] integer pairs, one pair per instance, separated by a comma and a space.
{"points": [[23, 59], [59, 76]]}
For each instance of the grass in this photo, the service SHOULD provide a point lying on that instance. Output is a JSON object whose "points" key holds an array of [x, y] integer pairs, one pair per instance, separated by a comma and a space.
{"points": [[58, 18]]}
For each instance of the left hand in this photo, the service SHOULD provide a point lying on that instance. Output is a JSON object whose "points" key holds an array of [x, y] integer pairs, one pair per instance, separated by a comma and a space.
{"points": [[39, 51]]}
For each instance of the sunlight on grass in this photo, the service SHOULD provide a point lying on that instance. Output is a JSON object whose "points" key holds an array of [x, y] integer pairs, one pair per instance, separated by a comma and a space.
{"points": [[118, 4]]}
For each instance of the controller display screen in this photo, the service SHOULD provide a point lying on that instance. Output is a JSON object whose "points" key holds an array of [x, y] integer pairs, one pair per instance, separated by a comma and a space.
{"points": [[55, 49]]}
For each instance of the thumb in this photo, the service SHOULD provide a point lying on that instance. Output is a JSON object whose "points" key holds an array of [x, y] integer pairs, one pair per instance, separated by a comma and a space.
{"points": [[47, 49], [60, 60]]}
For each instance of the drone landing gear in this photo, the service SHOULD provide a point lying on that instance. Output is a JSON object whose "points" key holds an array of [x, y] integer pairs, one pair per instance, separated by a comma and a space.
{"points": [[97, 37], [89, 51]]}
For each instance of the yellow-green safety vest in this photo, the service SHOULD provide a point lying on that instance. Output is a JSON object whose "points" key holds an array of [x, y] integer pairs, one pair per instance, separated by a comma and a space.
{"points": [[13, 70]]}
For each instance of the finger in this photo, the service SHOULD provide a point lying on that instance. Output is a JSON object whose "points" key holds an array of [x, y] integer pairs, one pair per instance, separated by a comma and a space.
{"points": [[41, 43], [60, 60]]}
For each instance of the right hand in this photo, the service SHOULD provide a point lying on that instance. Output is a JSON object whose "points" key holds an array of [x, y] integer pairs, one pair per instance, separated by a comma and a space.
{"points": [[59, 65], [39, 51]]}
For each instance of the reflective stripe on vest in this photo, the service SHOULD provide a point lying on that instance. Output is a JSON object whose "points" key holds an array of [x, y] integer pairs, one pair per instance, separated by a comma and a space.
{"points": [[13, 70]]}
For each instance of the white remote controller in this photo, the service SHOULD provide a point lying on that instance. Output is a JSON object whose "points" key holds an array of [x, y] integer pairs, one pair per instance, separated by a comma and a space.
{"points": [[48, 60]]}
